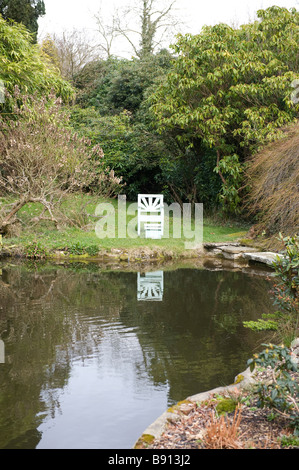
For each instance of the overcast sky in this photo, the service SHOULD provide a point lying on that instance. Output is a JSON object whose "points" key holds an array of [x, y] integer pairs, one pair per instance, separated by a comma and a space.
{"points": [[77, 14]]}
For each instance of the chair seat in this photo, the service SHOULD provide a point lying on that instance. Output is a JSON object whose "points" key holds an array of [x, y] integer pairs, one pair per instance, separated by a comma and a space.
{"points": [[153, 230]]}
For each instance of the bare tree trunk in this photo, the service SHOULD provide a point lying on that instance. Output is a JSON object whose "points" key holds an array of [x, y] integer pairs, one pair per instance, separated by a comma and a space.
{"points": [[10, 218], [153, 19], [220, 174]]}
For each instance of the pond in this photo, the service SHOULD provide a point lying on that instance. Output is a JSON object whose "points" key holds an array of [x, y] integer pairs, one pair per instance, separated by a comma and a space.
{"points": [[93, 356]]}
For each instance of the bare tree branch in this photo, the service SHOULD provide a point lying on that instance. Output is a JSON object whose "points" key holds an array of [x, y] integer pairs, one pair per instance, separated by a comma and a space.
{"points": [[108, 31], [73, 50], [139, 26]]}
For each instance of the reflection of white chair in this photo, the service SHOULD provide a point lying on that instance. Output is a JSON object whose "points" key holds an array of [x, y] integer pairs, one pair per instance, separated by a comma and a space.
{"points": [[151, 214], [150, 286]]}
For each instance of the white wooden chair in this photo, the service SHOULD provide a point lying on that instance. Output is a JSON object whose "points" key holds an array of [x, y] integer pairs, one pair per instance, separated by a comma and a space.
{"points": [[151, 215]]}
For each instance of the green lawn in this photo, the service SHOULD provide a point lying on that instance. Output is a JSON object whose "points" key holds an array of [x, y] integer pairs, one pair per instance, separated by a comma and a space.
{"points": [[78, 232]]}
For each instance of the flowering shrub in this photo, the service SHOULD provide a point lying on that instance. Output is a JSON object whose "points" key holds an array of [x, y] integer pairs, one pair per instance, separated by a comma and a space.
{"points": [[42, 159]]}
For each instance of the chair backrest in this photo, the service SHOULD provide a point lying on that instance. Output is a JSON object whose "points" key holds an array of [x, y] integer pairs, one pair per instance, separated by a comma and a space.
{"points": [[150, 202], [151, 210]]}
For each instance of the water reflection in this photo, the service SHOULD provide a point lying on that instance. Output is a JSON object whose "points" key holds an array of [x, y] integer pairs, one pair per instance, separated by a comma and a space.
{"points": [[87, 365], [150, 286]]}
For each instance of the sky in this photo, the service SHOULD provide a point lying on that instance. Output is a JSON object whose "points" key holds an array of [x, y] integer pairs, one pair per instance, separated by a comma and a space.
{"points": [[66, 15]]}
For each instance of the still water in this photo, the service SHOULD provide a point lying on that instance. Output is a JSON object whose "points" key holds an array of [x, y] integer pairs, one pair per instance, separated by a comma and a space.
{"points": [[93, 356]]}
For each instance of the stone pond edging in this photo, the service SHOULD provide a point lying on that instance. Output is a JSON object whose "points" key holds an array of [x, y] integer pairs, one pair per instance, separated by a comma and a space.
{"points": [[230, 251], [236, 251], [156, 429], [242, 381], [227, 251]]}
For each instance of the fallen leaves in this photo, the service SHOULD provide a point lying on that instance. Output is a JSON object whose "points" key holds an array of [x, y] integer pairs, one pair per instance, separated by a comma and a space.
{"points": [[201, 428]]}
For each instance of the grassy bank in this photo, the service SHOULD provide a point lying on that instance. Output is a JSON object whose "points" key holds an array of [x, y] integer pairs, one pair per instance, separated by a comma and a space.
{"points": [[76, 234]]}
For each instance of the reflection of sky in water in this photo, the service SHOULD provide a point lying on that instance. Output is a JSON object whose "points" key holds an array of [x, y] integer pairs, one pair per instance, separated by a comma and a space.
{"points": [[89, 365], [104, 390]]}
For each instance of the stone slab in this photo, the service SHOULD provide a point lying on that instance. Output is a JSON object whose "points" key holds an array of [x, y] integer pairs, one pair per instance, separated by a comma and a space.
{"points": [[212, 245], [239, 249], [266, 257], [235, 252]]}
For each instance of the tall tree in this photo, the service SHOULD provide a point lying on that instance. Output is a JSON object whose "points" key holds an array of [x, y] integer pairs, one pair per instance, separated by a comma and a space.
{"points": [[108, 31], [26, 12], [144, 25], [230, 90], [152, 19], [70, 51]]}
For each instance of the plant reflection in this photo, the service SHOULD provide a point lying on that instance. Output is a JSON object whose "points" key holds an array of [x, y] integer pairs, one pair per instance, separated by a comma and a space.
{"points": [[51, 318]]}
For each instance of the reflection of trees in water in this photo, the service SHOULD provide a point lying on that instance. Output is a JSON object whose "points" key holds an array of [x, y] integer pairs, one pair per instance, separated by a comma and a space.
{"points": [[52, 316], [193, 335], [42, 323], [30, 334]]}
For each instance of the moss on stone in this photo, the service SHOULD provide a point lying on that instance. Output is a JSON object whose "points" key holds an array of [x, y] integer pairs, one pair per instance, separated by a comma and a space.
{"points": [[226, 405], [239, 379], [144, 440], [176, 407]]}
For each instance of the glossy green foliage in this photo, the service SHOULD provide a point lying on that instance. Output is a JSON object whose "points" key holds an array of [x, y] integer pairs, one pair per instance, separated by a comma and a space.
{"points": [[231, 89], [112, 112], [116, 85], [23, 65], [286, 266], [282, 391], [129, 148]]}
